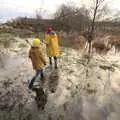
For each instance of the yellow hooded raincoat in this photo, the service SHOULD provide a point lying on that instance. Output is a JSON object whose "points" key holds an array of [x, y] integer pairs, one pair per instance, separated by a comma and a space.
{"points": [[37, 58], [52, 47]]}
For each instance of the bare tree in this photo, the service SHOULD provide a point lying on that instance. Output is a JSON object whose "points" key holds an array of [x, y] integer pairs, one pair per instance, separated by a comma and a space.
{"points": [[72, 17], [89, 35], [39, 13]]}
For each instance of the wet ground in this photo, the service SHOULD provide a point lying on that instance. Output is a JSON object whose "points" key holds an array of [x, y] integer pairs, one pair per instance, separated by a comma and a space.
{"points": [[76, 91]]}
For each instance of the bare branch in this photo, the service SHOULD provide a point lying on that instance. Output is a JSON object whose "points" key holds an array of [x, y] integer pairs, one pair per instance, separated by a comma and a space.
{"points": [[100, 2]]}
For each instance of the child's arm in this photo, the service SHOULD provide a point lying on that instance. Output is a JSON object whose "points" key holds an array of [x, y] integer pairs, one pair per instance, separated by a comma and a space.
{"points": [[29, 55], [42, 57], [46, 41]]}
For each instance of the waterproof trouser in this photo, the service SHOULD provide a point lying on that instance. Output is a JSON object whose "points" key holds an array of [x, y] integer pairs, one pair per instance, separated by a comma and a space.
{"points": [[38, 72], [55, 61]]}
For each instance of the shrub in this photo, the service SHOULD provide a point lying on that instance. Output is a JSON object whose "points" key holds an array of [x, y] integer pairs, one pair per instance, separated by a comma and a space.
{"points": [[22, 45]]}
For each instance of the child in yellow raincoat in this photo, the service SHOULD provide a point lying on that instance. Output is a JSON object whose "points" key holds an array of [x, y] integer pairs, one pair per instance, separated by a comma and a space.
{"points": [[37, 59], [52, 47]]}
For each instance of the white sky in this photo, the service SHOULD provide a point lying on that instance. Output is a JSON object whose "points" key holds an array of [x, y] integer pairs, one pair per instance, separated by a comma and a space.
{"points": [[14, 8]]}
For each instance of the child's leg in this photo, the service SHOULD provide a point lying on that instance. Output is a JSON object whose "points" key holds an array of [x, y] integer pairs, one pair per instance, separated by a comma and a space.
{"points": [[55, 61], [50, 60], [33, 79], [42, 74]]}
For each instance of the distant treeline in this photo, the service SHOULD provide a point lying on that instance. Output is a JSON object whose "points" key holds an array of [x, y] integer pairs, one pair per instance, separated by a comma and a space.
{"points": [[66, 18]]}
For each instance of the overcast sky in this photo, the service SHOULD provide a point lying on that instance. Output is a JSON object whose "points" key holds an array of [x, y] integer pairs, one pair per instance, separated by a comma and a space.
{"points": [[15, 8]]}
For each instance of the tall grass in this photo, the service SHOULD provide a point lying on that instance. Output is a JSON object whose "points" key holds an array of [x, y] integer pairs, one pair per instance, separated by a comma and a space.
{"points": [[6, 40]]}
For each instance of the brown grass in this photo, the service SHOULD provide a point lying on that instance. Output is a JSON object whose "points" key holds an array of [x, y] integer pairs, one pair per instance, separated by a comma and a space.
{"points": [[101, 48], [115, 42]]}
